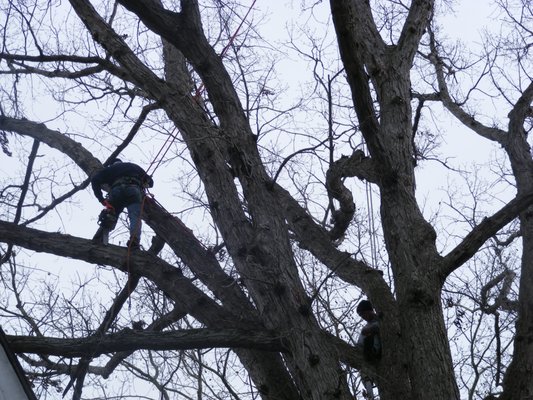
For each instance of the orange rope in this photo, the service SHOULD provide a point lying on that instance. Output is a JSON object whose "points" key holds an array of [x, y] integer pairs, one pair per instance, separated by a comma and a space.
{"points": [[232, 38], [168, 142], [201, 88], [173, 136]]}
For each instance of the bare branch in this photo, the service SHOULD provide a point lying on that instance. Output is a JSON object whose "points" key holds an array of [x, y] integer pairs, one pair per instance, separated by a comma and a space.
{"points": [[482, 232], [54, 139], [22, 197], [501, 301], [129, 340], [469, 121], [355, 165]]}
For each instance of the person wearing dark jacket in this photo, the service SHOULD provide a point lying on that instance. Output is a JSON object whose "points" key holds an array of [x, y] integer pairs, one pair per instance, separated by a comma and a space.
{"points": [[369, 342], [125, 183]]}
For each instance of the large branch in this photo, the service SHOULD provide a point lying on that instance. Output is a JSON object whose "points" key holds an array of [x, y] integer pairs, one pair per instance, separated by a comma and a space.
{"points": [[451, 105], [55, 139], [167, 277], [315, 239], [355, 165], [184, 30], [517, 144], [129, 340], [522, 108], [355, 21], [482, 232], [202, 262], [352, 19], [414, 27], [177, 313]]}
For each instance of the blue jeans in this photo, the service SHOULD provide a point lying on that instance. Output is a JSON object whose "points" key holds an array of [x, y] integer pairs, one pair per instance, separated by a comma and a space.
{"points": [[129, 196]]}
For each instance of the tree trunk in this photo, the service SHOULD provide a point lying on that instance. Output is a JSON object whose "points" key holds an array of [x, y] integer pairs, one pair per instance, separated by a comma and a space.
{"points": [[517, 382]]}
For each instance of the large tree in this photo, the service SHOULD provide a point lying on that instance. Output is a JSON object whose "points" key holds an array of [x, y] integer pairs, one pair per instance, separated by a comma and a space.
{"points": [[264, 252]]}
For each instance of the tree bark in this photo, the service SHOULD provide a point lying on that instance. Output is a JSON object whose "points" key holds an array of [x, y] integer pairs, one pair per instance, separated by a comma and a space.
{"points": [[128, 340]]}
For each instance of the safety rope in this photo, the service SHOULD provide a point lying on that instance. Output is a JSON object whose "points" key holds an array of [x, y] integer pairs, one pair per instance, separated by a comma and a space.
{"points": [[201, 88], [371, 224], [372, 229], [172, 137]]}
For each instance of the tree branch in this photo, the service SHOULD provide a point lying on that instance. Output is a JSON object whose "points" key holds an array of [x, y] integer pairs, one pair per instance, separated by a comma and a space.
{"points": [[200, 260], [502, 300], [158, 325], [55, 139], [355, 165], [482, 232], [315, 239], [129, 340], [83, 366], [356, 54], [521, 111], [414, 27], [168, 278], [134, 129], [22, 197], [468, 120]]}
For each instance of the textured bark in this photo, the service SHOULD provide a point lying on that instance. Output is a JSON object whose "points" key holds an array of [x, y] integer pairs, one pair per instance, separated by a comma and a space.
{"points": [[518, 383], [56, 140], [424, 348], [274, 313], [128, 340]]}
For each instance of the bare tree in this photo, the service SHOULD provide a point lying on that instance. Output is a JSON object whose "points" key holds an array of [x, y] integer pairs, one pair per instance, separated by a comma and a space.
{"points": [[260, 248]]}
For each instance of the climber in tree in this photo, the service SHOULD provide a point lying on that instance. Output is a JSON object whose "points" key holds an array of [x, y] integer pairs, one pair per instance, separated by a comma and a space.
{"points": [[369, 341], [125, 183]]}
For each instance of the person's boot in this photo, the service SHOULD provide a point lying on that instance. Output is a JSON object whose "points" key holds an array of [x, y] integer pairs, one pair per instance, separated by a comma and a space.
{"points": [[133, 244]]}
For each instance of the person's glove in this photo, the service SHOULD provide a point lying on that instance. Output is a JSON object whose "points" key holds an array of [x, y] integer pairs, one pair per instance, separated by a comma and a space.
{"points": [[107, 205]]}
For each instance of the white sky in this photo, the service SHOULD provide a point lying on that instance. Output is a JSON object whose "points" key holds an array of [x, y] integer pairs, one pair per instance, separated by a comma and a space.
{"points": [[467, 24]]}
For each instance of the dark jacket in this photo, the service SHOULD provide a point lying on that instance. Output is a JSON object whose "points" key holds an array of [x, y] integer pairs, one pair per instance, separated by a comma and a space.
{"points": [[115, 172]]}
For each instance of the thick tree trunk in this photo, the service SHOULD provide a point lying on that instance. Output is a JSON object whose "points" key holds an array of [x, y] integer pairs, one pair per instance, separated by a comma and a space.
{"points": [[256, 218], [423, 347], [518, 383]]}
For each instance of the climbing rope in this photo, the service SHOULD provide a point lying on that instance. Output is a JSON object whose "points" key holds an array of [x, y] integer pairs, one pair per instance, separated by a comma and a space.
{"points": [[201, 88], [168, 144], [159, 157], [371, 224]]}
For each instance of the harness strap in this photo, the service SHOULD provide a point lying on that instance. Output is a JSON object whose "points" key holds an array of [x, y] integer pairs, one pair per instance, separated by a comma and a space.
{"points": [[127, 180]]}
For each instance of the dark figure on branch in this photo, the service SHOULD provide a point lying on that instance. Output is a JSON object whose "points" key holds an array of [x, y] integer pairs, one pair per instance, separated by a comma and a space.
{"points": [[125, 183], [369, 341]]}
